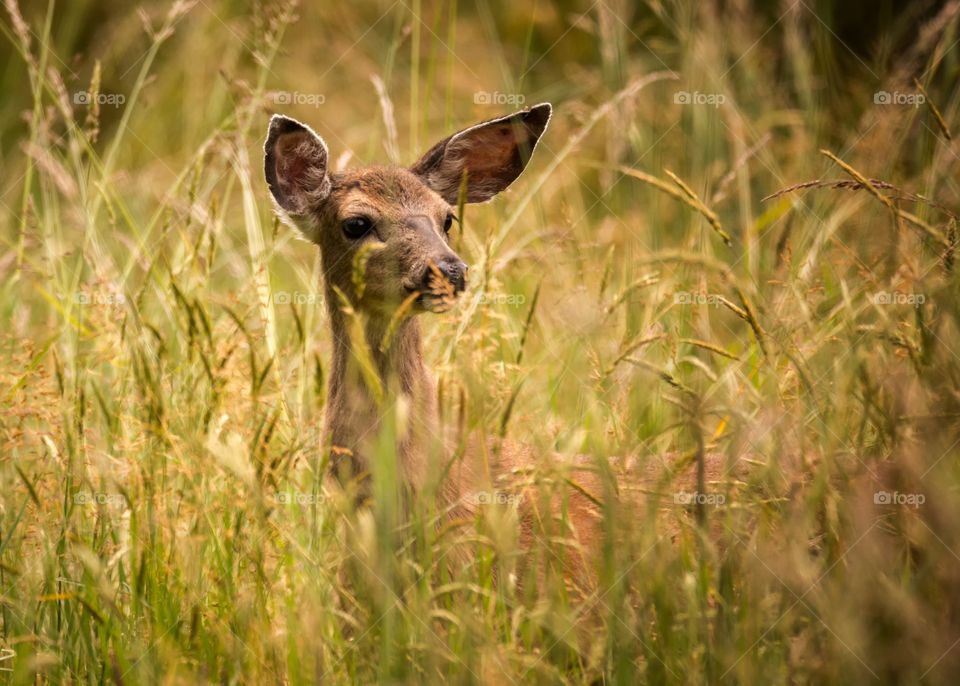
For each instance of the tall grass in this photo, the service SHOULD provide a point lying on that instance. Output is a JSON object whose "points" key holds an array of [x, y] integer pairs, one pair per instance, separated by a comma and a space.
{"points": [[163, 515]]}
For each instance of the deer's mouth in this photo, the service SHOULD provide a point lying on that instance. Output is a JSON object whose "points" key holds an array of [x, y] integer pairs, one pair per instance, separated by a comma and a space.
{"points": [[429, 301], [437, 294]]}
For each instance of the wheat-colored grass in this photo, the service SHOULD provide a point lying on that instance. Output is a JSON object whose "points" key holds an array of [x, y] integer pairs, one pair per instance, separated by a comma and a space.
{"points": [[163, 515]]}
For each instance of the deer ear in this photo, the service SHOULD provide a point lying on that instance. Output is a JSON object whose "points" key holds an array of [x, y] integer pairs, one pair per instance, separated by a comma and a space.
{"points": [[492, 154], [295, 165]]}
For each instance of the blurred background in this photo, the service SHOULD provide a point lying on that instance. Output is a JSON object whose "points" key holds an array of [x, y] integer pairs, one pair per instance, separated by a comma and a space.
{"points": [[645, 290]]}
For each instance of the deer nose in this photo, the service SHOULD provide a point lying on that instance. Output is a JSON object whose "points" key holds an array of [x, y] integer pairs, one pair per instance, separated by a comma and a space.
{"points": [[452, 269]]}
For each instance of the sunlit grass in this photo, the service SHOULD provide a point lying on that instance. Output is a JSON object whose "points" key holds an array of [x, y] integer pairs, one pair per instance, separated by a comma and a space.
{"points": [[163, 511]]}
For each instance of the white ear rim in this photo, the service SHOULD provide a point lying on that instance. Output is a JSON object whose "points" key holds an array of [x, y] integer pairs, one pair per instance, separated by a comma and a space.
{"points": [[279, 125], [489, 122], [526, 110]]}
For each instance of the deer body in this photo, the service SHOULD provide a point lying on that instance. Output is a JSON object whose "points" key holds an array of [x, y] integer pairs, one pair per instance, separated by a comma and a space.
{"points": [[353, 414]]}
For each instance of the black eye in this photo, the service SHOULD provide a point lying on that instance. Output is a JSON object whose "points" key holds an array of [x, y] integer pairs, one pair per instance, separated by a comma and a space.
{"points": [[356, 227], [447, 223]]}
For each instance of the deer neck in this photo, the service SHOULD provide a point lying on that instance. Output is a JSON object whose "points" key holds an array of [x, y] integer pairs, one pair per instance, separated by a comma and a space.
{"points": [[354, 415]]}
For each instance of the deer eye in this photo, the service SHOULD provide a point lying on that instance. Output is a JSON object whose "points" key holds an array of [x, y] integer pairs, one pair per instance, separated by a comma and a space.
{"points": [[356, 227], [447, 223]]}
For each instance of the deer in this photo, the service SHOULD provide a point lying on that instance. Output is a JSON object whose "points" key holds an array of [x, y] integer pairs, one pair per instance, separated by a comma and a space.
{"points": [[401, 219]]}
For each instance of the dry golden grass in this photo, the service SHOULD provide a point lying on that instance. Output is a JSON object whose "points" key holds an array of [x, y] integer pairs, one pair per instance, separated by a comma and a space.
{"points": [[163, 517]]}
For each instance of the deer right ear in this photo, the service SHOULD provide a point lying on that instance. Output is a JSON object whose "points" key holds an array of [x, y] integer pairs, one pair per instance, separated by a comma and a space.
{"points": [[491, 154], [295, 166]]}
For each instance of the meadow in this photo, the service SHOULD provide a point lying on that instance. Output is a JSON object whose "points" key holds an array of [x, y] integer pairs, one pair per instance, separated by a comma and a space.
{"points": [[737, 236]]}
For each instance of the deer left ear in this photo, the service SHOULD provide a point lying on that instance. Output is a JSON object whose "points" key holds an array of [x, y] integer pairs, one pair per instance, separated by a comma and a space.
{"points": [[492, 154], [295, 166]]}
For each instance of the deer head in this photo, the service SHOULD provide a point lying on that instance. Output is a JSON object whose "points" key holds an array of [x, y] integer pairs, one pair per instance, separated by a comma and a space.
{"points": [[400, 219], [404, 216]]}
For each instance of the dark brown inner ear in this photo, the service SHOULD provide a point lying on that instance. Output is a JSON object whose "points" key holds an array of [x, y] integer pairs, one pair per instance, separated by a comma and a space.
{"points": [[293, 154], [296, 170], [492, 154]]}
